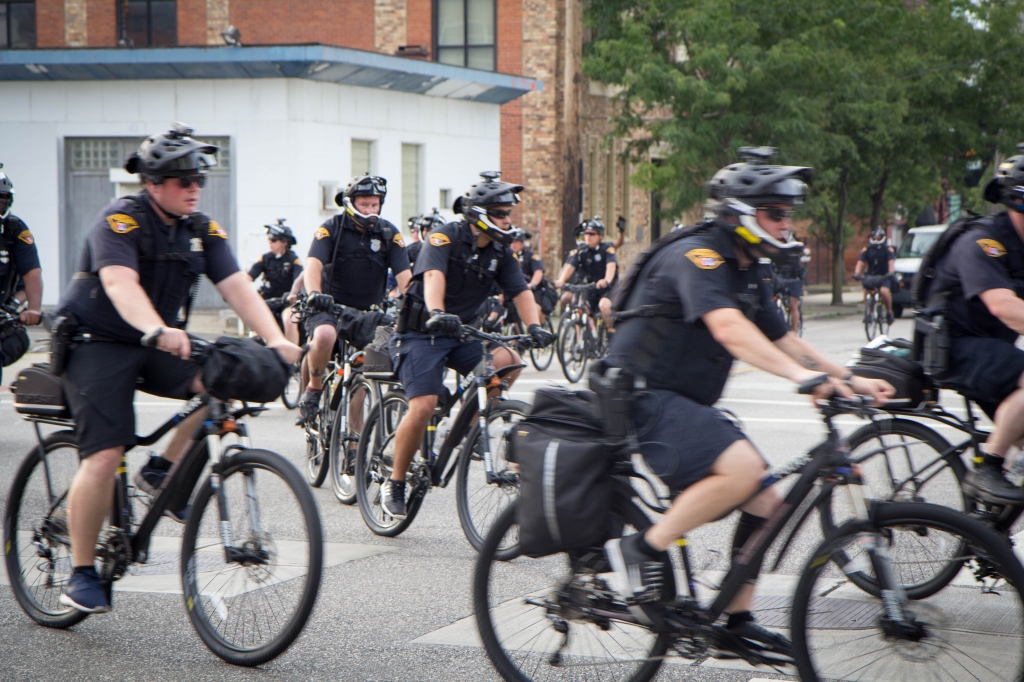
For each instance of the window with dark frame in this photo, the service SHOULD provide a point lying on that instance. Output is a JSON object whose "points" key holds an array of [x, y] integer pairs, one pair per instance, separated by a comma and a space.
{"points": [[152, 23], [17, 24], [464, 33]]}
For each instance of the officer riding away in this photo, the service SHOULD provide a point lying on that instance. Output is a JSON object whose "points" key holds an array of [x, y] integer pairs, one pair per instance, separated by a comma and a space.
{"points": [[875, 266], [686, 310], [978, 285], [281, 269], [455, 272], [137, 271], [348, 265], [21, 277]]}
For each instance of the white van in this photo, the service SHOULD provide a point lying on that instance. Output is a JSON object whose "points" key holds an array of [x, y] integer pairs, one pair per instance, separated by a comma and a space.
{"points": [[908, 262]]}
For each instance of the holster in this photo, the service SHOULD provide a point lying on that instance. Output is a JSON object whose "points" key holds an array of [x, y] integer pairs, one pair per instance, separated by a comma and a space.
{"points": [[413, 316], [931, 343], [615, 389], [61, 332]]}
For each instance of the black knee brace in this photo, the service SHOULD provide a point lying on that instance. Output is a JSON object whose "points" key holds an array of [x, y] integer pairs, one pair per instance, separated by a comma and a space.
{"points": [[748, 525]]}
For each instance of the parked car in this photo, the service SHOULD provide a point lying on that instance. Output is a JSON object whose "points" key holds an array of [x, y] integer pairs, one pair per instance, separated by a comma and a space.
{"points": [[908, 261]]}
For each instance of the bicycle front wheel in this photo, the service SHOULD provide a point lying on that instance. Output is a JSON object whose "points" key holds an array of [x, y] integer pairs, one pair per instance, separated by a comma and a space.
{"points": [[869, 318], [532, 616], [541, 357], [318, 459], [480, 501], [36, 541], [903, 461], [973, 629], [249, 607], [344, 440], [293, 389], [572, 350], [881, 318]]}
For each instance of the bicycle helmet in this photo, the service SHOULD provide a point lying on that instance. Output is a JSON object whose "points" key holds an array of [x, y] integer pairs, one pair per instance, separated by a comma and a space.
{"points": [[170, 154], [736, 191], [362, 186], [489, 192], [877, 236], [518, 235], [592, 224], [1007, 184], [6, 194], [282, 232], [431, 220]]}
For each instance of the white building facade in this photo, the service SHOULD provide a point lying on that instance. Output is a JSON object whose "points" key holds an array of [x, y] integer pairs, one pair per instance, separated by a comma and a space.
{"points": [[289, 141]]}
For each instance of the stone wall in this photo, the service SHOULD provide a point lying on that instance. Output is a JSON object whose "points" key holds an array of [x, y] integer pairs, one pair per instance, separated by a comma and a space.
{"points": [[389, 25]]}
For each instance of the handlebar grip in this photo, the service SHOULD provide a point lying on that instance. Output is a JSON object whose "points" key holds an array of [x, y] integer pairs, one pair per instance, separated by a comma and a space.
{"points": [[807, 387]]}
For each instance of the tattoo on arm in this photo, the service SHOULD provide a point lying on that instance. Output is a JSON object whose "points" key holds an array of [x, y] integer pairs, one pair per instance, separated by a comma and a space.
{"points": [[809, 362]]}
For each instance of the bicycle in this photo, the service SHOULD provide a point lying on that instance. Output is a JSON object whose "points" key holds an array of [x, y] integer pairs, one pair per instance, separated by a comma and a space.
{"points": [[508, 322], [473, 451], [582, 335], [238, 563], [329, 438], [557, 618], [876, 320], [782, 302]]}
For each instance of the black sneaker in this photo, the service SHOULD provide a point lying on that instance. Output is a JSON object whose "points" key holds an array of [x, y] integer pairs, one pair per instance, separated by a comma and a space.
{"points": [[889, 318], [637, 576], [988, 482], [350, 462], [85, 591], [392, 498], [150, 478], [763, 641], [310, 404]]}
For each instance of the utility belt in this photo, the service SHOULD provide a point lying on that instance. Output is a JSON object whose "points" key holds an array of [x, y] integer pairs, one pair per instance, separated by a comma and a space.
{"points": [[413, 316]]}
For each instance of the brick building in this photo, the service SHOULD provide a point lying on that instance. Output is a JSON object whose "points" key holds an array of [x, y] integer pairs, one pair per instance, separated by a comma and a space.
{"points": [[425, 92]]}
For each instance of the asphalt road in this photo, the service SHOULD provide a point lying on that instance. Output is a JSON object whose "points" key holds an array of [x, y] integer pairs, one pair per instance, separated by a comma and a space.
{"points": [[385, 594]]}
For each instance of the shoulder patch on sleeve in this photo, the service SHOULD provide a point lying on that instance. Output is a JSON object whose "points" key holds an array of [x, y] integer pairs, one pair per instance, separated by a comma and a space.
{"points": [[536, 257], [611, 250], [705, 259], [217, 231], [26, 236], [321, 233], [439, 239], [573, 252], [992, 248], [297, 262], [398, 239], [122, 223]]}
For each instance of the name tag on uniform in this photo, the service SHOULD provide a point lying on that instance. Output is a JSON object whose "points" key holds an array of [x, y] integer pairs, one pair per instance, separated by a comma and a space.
{"points": [[196, 244]]}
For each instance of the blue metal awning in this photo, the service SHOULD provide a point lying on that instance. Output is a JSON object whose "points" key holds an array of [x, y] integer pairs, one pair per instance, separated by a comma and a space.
{"points": [[313, 62]]}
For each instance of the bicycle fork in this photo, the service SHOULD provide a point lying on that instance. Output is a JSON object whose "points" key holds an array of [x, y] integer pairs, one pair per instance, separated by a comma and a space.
{"points": [[233, 553]]}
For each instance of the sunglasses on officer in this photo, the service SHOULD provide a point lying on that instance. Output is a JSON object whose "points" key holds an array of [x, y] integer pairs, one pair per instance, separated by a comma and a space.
{"points": [[776, 214], [591, 233], [498, 213], [186, 181], [275, 239]]}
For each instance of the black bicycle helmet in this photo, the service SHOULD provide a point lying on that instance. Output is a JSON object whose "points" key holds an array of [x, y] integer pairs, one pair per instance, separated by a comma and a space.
{"points": [[1007, 184], [736, 192], [877, 235], [170, 154], [489, 192], [592, 224], [429, 221], [518, 235], [282, 232], [6, 194], [362, 186]]}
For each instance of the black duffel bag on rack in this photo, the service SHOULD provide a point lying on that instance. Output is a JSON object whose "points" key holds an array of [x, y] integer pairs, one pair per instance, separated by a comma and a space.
{"points": [[241, 369], [891, 360], [564, 472]]}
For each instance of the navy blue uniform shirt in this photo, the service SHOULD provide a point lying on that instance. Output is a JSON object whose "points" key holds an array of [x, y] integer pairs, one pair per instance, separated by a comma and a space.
{"points": [[591, 263], [18, 255]]}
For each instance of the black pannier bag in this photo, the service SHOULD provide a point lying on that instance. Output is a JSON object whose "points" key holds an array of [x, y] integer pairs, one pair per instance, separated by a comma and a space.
{"points": [[891, 360], [39, 393], [14, 344], [564, 473], [377, 361], [241, 369]]}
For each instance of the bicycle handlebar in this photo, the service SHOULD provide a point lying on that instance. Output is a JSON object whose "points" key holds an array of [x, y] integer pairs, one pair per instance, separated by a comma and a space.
{"points": [[580, 288], [525, 340]]}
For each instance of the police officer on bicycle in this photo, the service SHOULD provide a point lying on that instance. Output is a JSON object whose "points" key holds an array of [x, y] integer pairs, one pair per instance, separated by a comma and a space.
{"points": [[348, 265], [138, 267], [687, 310], [455, 272], [21, 277], [280, 268], [875, 266], [421, 226], [533, 270], [596, 261], [978, 286]]}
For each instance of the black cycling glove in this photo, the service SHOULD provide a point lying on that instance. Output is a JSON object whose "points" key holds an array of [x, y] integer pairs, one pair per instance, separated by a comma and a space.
{"points": [[320, 301], [541, 336], [621, 224], [444, 323]]}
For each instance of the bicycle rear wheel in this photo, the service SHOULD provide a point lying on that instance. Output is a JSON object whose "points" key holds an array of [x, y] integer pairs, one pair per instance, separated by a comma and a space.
{"points": [[36, 542], [250, 609], [520, 604], [374, 462], [960, 633], [541, 357], [572, 350], [480, 502], [903, 461]]}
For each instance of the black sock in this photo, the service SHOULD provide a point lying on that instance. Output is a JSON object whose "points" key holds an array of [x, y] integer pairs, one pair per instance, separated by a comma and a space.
{"points": [[160, 464], [739, 618], [992, 461], [643, 546], [81, 569]]}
